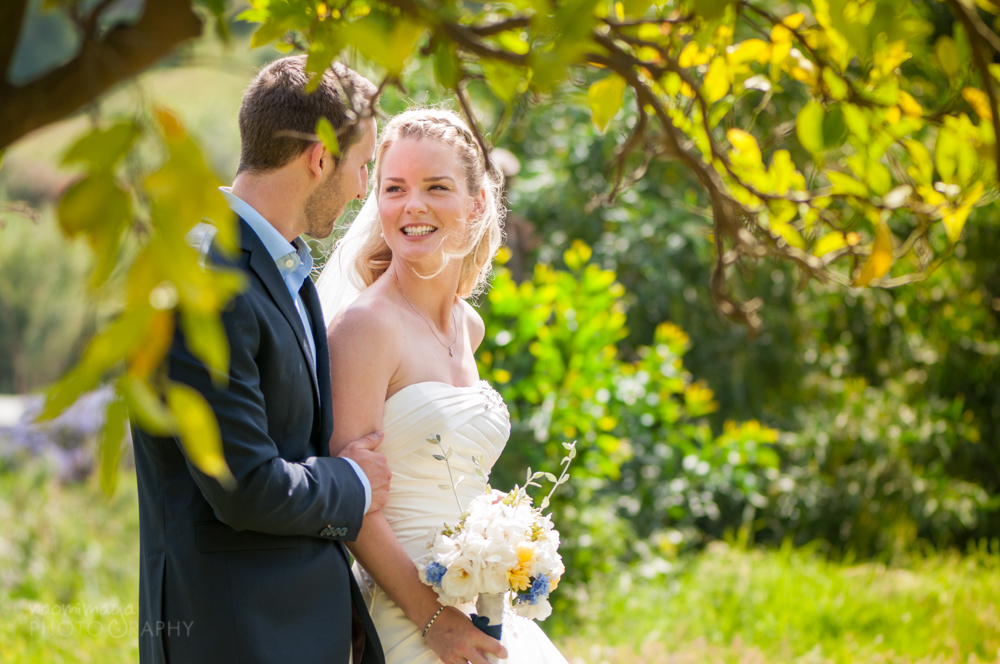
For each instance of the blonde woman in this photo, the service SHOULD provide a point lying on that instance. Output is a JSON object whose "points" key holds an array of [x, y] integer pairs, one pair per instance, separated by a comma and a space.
{"points": [[402, 338]]}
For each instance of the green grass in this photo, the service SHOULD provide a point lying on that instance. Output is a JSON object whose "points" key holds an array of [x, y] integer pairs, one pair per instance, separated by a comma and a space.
{"points": [[732, 605], [69, 563], [69, 548]]}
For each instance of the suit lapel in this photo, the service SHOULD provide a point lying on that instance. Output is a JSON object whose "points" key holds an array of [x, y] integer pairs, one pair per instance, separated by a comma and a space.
{"points": [[263, 266]]}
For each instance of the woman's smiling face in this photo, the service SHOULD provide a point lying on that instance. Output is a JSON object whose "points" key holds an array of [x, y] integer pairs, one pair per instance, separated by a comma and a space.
{"points": [[423, 200]]}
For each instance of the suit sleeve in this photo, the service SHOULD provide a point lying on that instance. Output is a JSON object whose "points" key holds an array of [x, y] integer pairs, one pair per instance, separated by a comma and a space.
{"points": [[272, 495]]}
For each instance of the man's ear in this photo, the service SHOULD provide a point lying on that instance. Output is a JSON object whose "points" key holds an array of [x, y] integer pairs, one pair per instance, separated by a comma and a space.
{"points": [[320, 161]]}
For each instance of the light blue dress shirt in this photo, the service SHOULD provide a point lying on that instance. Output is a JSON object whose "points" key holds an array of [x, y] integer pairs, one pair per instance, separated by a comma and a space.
{"points": [[294, 263]]}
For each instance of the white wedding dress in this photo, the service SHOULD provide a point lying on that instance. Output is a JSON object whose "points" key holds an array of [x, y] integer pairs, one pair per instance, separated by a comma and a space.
{"points": [[472, 421]]}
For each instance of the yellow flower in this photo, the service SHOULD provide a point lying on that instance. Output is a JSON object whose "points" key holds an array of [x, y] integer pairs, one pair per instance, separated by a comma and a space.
{"points": [[519, 578]]}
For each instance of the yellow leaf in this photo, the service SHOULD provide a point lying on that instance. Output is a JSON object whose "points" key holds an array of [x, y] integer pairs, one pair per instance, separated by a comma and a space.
{"points": [[793, 21], [198, 431], [145, 407], [577, 255], [880, 260], [605, 97], [717, 80], [750, 50], [745, 143], [979, 102], [909, 105], [157, 336], [781, 35], [829, 242], [954, 220]]}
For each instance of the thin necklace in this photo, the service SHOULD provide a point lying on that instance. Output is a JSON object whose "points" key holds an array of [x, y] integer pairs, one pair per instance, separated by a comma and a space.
{"points": [[429, 326]]}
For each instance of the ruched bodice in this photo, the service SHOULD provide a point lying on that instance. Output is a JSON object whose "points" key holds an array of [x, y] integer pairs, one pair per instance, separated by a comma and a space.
{"points": [[472, 422]]}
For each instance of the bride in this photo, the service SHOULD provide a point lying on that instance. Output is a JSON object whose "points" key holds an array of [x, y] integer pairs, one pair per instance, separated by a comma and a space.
{"points": [[401, 352]]}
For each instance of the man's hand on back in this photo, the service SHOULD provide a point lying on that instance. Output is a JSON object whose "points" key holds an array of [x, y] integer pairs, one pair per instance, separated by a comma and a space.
{"points": [[373, 464]]}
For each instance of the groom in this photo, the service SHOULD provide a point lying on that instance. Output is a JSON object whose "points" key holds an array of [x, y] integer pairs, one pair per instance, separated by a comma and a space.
{"points": [[259, 572]]}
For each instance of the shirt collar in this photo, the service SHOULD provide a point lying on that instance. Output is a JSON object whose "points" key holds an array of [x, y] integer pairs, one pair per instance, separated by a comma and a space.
{"points": [[287, 256]]}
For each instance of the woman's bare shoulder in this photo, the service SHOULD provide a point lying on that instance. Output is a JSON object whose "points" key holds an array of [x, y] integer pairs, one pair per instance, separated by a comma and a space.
{"points": [[370, 321], [474, 324]]}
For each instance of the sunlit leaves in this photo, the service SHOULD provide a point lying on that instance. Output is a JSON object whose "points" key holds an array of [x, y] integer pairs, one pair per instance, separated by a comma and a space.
{"points": [[809, 127], [110, 443], [447, 68], [954, 218], [198, 431], [717, 80], [880, 260], [390, 48], [947, 57], [328, 136], [605, 97], [103, 149], [505, 80]]}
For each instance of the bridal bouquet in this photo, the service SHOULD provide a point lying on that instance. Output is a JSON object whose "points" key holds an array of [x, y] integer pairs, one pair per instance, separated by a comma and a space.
{"points": [[503, 551]]}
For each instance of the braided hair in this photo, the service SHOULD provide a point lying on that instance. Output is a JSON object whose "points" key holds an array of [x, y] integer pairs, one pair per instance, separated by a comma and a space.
{"points": [[485, 227]]}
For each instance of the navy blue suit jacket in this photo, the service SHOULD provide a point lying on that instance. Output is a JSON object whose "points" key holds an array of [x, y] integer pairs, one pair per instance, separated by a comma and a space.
{"points": [[259, 573]]}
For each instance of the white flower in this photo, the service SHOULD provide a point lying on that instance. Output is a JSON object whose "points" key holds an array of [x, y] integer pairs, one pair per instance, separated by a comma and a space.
{"points": [[538, 611], [460, 582]]}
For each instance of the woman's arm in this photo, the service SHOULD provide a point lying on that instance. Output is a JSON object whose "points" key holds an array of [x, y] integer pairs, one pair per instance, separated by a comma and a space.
{"points": [[363, 359]]}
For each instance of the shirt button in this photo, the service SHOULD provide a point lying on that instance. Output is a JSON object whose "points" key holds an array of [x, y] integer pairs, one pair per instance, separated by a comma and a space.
{"points": [[290, 262]]}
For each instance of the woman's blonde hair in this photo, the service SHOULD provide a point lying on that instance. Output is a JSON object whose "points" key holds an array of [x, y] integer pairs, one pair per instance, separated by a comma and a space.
{"points": [[485, 230]]}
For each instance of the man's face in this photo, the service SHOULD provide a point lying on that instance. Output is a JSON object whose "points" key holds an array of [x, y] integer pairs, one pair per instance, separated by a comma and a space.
{"points": [[347, 182]]}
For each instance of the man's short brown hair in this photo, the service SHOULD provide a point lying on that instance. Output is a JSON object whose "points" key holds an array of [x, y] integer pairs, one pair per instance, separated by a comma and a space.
{"points": [[278, 117]]}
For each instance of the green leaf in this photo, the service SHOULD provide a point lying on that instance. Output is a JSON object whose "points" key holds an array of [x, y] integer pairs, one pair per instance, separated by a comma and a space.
{"points": [[109, 444], [198, 431], [946, 153], [809, 127], [505, 80], [145, 407], [384, 40], [605, 97], [102, 149], [328, 136], [846, 185], [836, 85], [105, 350], [267, 33], [447, 68], [92, 203], [206, 339], [711, 9], [834, 128], [856, 122]]}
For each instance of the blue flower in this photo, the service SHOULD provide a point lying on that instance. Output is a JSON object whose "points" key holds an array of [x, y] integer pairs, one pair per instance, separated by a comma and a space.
{"points": [[435, 572], [539, 590]]}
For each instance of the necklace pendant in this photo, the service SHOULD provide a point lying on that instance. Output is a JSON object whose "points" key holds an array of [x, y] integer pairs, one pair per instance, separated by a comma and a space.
{"points": [[450, 352]]}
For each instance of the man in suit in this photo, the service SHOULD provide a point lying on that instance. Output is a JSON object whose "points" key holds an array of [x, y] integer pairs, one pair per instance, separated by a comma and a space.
{"points": [[258, 572]]}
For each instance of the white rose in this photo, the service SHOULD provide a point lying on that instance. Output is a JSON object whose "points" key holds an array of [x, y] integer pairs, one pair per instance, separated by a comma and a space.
{"points": [[460, 581], [539, 611]]}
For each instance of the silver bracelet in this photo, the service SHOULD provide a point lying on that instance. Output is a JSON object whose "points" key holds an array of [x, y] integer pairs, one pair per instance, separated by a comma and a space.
{"points": [[436, 614]]}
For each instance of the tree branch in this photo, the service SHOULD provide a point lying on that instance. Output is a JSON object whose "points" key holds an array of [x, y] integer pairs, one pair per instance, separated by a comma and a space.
{"points": [[511, 23], [983, 40], [11, 20], [125, 52]]}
